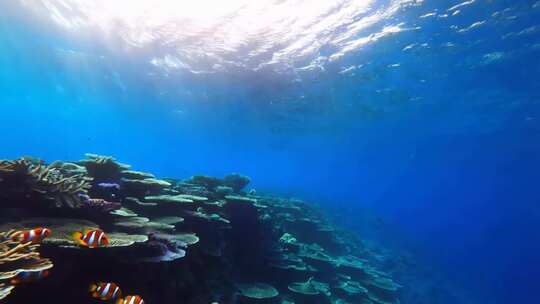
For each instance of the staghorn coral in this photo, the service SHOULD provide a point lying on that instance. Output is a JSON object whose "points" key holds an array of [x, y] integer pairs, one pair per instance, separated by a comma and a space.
{"points": [[16, 258], [50, 183], [5, 290]]}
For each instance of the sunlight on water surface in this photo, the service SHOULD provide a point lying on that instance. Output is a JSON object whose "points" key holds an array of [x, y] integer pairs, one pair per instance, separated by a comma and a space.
{"points": [[207, 36]]}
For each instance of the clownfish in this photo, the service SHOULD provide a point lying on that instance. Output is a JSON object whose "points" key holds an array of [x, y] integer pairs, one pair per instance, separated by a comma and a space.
{"points": [[91, 238], [29, 276], [105, 291], [35, 235], [130, 300]]}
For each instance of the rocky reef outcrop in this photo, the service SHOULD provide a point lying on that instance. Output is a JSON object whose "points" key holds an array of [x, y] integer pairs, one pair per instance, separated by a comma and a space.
{"points": [[197, 240]]}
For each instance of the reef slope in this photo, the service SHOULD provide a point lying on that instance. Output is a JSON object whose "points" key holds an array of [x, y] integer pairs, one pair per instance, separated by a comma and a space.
{"points": [[197, 240]]}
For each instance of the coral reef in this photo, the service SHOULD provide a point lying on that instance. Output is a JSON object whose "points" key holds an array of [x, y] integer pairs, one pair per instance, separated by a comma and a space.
{"points": [[197, 240], [236, 181], [257, 293], [56, 184], [17, 258]]}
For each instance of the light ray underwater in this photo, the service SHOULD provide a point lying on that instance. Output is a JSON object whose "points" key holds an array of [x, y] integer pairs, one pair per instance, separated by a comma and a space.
{"points": [[269, 152]]}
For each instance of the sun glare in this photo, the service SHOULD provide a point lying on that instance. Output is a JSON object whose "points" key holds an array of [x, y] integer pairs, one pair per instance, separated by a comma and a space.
{"points": [[210, 35], [164, 10]]}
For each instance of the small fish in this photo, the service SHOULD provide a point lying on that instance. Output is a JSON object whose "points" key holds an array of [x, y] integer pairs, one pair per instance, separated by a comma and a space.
{"points": [[91, 238], [109, 186], [130, 300], [29, 276], [105, 291], [35, 235]]}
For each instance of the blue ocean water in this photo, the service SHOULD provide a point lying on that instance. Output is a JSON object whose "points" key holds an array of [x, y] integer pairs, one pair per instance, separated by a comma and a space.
{"points": [[416, 123]]}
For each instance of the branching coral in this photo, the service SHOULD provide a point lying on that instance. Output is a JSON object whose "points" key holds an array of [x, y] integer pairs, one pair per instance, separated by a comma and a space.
{"points": [[17, 258], [49, 182], [11, 166]]}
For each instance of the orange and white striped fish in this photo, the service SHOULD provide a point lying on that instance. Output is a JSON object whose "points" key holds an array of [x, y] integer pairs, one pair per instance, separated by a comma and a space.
{"points": [[105, 291], [130, 300], [91, 238], [35, 235], [29, 276]]}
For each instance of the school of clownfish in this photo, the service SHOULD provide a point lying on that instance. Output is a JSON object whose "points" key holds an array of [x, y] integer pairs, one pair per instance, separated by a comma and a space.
{"points": [[111, 291], [92, 238]]}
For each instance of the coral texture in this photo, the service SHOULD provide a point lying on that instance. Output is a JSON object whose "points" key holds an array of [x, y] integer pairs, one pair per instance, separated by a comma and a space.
{"points": [[17, 258], [196, 240]]}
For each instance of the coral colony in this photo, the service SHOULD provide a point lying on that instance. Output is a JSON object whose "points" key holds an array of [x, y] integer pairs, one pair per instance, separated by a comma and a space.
{"points": [[131, 236]]}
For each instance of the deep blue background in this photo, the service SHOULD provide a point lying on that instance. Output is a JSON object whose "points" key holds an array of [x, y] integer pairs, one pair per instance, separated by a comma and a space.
{"points": [[452, 162]]}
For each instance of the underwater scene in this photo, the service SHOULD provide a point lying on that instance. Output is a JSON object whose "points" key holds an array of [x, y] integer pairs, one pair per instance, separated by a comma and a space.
{"points": [[270, 151]]}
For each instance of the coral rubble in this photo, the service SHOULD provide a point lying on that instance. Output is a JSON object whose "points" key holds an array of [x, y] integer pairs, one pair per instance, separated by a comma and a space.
{"points": [[197, 240]]}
